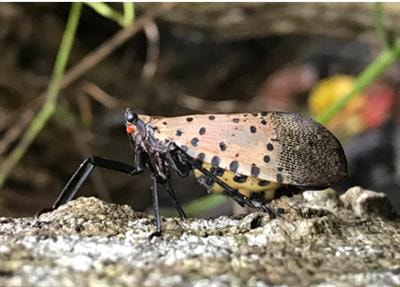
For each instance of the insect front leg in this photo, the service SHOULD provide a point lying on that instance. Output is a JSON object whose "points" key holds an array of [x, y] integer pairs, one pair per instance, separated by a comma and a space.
{"points": [[156, 206], [82, 173]]}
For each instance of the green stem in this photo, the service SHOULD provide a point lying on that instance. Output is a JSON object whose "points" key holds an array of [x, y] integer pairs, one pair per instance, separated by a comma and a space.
{"points": [[202, 204], [107, 12], [380, 25], [386, 58], [129, 13], [49, 106]]}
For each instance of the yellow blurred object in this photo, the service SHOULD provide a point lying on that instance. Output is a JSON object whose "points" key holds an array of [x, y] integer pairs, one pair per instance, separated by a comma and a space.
{"points": [[348, 121]]}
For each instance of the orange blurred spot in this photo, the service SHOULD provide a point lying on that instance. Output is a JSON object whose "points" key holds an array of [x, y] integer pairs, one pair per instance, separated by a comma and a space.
{"points": [[130, 129]]}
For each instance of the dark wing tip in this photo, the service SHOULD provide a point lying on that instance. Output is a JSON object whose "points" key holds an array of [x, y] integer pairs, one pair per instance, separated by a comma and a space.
{"points": [[311, 155]]}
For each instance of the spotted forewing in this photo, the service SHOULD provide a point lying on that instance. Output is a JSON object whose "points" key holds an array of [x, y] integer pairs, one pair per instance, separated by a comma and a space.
{"points": [[281, 147]]}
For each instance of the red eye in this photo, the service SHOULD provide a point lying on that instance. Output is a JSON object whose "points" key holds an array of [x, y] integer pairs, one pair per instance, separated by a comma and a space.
{"points": [[130, 129]]}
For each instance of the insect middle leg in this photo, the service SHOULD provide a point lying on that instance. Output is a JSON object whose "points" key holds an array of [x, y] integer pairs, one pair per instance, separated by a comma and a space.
{"points": [[178, 164], [171, 193]]}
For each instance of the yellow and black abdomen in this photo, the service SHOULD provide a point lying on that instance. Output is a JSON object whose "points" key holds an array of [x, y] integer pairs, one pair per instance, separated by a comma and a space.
{"points": [[245, 185]]}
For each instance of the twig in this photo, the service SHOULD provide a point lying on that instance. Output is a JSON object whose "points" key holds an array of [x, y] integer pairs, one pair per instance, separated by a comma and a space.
{"points": [[109, 46], [51, 98], [153, 50], [13, 132], [26, 114], [202, 105], [100, 95], [84, 107]]}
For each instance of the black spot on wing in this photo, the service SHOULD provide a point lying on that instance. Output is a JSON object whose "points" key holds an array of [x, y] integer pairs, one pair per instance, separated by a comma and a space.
{"points": [[194, 141], [233, 166], [255, 171], [215, 161], [202, 131], [222, 146]]}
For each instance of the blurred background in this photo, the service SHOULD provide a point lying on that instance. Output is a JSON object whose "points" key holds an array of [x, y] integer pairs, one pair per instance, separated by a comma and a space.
{"points": [[187, 59]]}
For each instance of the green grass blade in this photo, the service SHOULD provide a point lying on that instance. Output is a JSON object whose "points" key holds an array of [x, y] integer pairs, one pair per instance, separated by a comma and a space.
{"points": [[49, 105], [129, 13], [386, 58], [107, 12], [198, 206], [380, 26]]}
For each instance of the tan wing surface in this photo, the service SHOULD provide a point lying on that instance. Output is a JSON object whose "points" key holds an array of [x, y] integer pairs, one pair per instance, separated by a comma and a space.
{"points": [[279, 147]]}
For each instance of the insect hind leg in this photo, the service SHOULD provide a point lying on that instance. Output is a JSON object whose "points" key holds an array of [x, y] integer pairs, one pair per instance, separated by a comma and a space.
{"points": [[234, 193], [274, 212]]}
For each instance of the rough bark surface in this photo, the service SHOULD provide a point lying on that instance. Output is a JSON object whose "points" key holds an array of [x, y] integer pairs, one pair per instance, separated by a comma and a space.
{"points": [[322, 240]]}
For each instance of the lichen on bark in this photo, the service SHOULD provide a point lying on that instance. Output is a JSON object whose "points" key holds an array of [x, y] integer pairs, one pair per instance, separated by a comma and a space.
{"points": [[319, 240]]}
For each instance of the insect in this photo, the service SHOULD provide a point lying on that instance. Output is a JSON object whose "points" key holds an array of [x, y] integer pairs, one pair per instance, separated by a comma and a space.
{"points": [[247, 156]]}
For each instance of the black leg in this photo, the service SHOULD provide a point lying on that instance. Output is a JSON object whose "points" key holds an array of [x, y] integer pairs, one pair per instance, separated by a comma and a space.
{"points": [[171, 193], [229, 190], [74, 183], [82, 173], [275, 212], [181, 167], [156, 206]]}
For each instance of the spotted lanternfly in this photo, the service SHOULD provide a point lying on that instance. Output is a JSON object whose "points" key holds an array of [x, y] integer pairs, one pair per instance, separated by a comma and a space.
{"points": [[251, 157]]}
